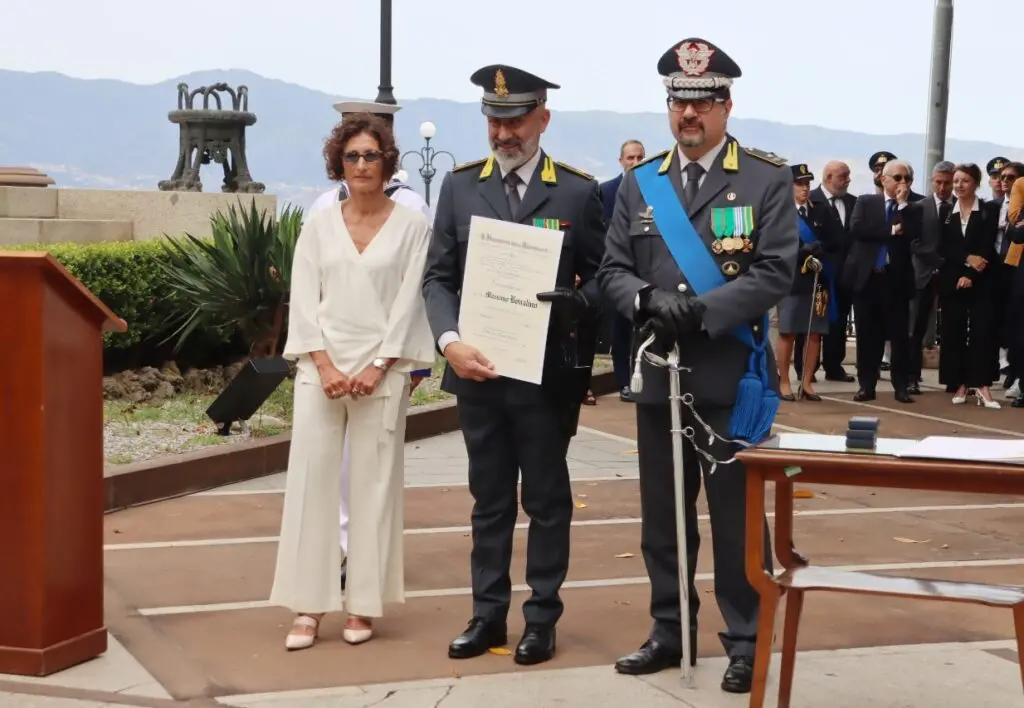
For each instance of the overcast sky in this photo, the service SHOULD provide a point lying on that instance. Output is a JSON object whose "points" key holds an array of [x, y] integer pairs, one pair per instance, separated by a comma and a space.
{"points": [[827, 62]]}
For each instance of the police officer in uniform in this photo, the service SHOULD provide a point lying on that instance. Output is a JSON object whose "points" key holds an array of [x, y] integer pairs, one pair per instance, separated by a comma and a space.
{"points": [[513, 427], [993, 169], [876, 163], [702, 244]]}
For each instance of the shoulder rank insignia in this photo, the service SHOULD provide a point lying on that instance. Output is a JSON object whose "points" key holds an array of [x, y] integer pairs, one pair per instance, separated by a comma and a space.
{"points": [[770, 157], [575, 171], [652, 158], [467, 165]]}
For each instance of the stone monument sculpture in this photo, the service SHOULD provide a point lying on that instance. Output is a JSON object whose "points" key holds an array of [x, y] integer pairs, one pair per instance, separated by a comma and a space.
{"points": [[212, 135]]}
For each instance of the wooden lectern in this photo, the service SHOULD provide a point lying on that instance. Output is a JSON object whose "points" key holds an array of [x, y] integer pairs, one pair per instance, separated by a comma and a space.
{"points": [[51, 466]]}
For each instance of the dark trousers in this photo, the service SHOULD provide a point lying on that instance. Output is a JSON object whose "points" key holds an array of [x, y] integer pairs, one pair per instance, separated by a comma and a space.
{"points": [[883, 315], [833, 344], [726, 495], [924, 305], [504, 441], [622, 343], [970, 349]]}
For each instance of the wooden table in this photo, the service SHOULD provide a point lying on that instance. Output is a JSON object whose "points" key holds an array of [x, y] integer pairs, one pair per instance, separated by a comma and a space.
{"points": [[824, 460]]}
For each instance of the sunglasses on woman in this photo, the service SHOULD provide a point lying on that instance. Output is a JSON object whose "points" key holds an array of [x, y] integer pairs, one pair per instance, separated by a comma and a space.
{"points": [[370, 156]]}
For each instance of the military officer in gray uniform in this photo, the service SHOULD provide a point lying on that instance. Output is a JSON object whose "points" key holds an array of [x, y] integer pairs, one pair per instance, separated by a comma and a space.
{"points": [[701, 245], [511, 426]]}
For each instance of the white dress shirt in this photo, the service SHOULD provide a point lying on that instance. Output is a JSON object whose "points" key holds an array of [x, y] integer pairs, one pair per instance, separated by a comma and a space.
{"points": [[835, 201]]}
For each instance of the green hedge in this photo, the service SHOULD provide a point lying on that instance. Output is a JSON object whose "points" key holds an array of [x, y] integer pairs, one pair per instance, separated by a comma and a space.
{"points": [[125, 277]]}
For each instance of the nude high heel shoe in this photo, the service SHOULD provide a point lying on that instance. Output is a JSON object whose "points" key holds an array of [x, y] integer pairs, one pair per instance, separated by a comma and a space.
{"points": [[295, 641], [356, 635]]}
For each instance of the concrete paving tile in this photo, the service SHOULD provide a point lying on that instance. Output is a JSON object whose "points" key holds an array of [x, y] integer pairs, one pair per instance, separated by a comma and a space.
{"points": [[19, 700], [116, 671]]}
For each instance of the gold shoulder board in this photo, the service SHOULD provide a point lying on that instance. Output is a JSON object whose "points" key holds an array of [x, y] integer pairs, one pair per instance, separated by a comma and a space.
{"points": [[652, 158], [770, 157], [467, 165], [575, 171]]}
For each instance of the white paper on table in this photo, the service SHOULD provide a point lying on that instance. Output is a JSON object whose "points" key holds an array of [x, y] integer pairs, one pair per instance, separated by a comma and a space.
{"points": [[940, 447], [507, 264]]}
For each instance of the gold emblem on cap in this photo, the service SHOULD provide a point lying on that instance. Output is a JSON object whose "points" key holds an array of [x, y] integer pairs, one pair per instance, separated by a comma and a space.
{"points": [[731, 196], [999, 164], [881, 159], [500, 87], [731, 268], [803, 169]]}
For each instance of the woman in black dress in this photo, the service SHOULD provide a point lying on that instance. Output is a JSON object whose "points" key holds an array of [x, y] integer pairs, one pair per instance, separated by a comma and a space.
{"points": [[967, 291], [806, 309]]}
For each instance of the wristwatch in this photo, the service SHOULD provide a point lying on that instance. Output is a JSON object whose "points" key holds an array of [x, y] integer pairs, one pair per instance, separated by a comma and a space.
{"points": [[381, 364]]}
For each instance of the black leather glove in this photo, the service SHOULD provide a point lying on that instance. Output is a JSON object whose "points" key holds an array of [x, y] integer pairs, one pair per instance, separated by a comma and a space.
{"points": [[680, 313], [812, 249], [573, 300]]}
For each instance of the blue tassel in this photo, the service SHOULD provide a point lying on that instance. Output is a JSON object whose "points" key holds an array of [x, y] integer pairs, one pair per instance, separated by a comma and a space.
{"points": [[756, 405]]}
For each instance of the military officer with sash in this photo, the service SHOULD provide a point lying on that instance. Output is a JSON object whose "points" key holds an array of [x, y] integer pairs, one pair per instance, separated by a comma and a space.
{"points": [[513, 427], [702, 244]]}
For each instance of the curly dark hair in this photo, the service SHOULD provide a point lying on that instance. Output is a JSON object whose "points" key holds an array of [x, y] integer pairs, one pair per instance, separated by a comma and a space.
{"points": [[354, 124]]}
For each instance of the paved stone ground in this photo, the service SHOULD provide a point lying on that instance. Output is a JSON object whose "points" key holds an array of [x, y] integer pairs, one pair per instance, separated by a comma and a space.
{"points": [[187, 582]]}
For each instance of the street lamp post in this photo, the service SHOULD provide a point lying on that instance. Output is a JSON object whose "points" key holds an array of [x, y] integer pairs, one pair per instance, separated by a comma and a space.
{"points": [[427, 155], [385, 92]]}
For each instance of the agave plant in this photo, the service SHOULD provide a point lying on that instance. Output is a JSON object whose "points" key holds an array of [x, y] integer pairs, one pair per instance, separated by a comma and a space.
{"points": [[237, 280]]}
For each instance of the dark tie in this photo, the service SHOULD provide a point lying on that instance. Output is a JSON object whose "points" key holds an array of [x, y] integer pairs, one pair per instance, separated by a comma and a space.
{"points": [[944, 211], [803, 212], [883, 250], [512, 181], [693, 174]]}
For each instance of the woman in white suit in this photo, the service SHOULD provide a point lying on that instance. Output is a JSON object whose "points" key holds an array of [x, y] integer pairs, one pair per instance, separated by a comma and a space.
{"points": [[357, 327]]}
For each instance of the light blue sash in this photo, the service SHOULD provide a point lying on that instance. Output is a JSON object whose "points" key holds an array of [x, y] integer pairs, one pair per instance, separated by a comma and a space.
{"points": [[756, 403]]}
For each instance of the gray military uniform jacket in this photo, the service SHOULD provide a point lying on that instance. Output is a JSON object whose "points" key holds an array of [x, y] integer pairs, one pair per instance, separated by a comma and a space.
{"points": [[758, 274], [556, 193]]}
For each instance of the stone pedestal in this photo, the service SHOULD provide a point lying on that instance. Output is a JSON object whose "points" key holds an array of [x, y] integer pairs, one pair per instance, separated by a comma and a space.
{"points": [[24, 177]]}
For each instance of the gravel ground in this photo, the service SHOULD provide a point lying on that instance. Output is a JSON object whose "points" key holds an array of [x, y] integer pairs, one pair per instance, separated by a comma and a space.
{"points": [[140, 436]]}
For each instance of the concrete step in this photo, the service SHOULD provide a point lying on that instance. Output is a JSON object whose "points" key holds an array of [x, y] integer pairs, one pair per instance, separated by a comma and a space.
{"points": [[28, 203], [49, 231]]}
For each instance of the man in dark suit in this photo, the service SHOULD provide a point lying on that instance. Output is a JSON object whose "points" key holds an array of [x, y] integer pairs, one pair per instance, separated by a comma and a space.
{"points": [[926, 261], [631, 153], [835, 181], [702, 243], [880, 273], [514, 427]]}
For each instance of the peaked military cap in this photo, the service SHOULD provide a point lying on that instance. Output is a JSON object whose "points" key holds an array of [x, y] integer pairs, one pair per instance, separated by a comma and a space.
{"points": [[878, 160], [510, 92], [801, 173], [696, 68], [380, 109], [996, 165]]}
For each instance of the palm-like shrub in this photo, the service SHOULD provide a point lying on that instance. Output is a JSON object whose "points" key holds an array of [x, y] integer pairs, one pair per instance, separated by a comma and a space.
{"points": [[239, 279]]}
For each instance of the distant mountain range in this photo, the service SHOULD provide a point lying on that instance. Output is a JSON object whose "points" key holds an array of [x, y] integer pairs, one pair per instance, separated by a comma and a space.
{"points": [[115, 135]]}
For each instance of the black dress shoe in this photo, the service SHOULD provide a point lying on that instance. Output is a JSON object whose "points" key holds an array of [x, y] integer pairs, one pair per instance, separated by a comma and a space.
{"points": [[625, 395], [739, 675], [344, 572], [903, 396], [536, 646], [842, 377], [479, 636], [864, 395], [914, 389], [653, 657]]}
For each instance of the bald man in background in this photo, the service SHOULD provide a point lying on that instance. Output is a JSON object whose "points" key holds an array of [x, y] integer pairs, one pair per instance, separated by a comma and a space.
{"points": [[833, 191]]}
